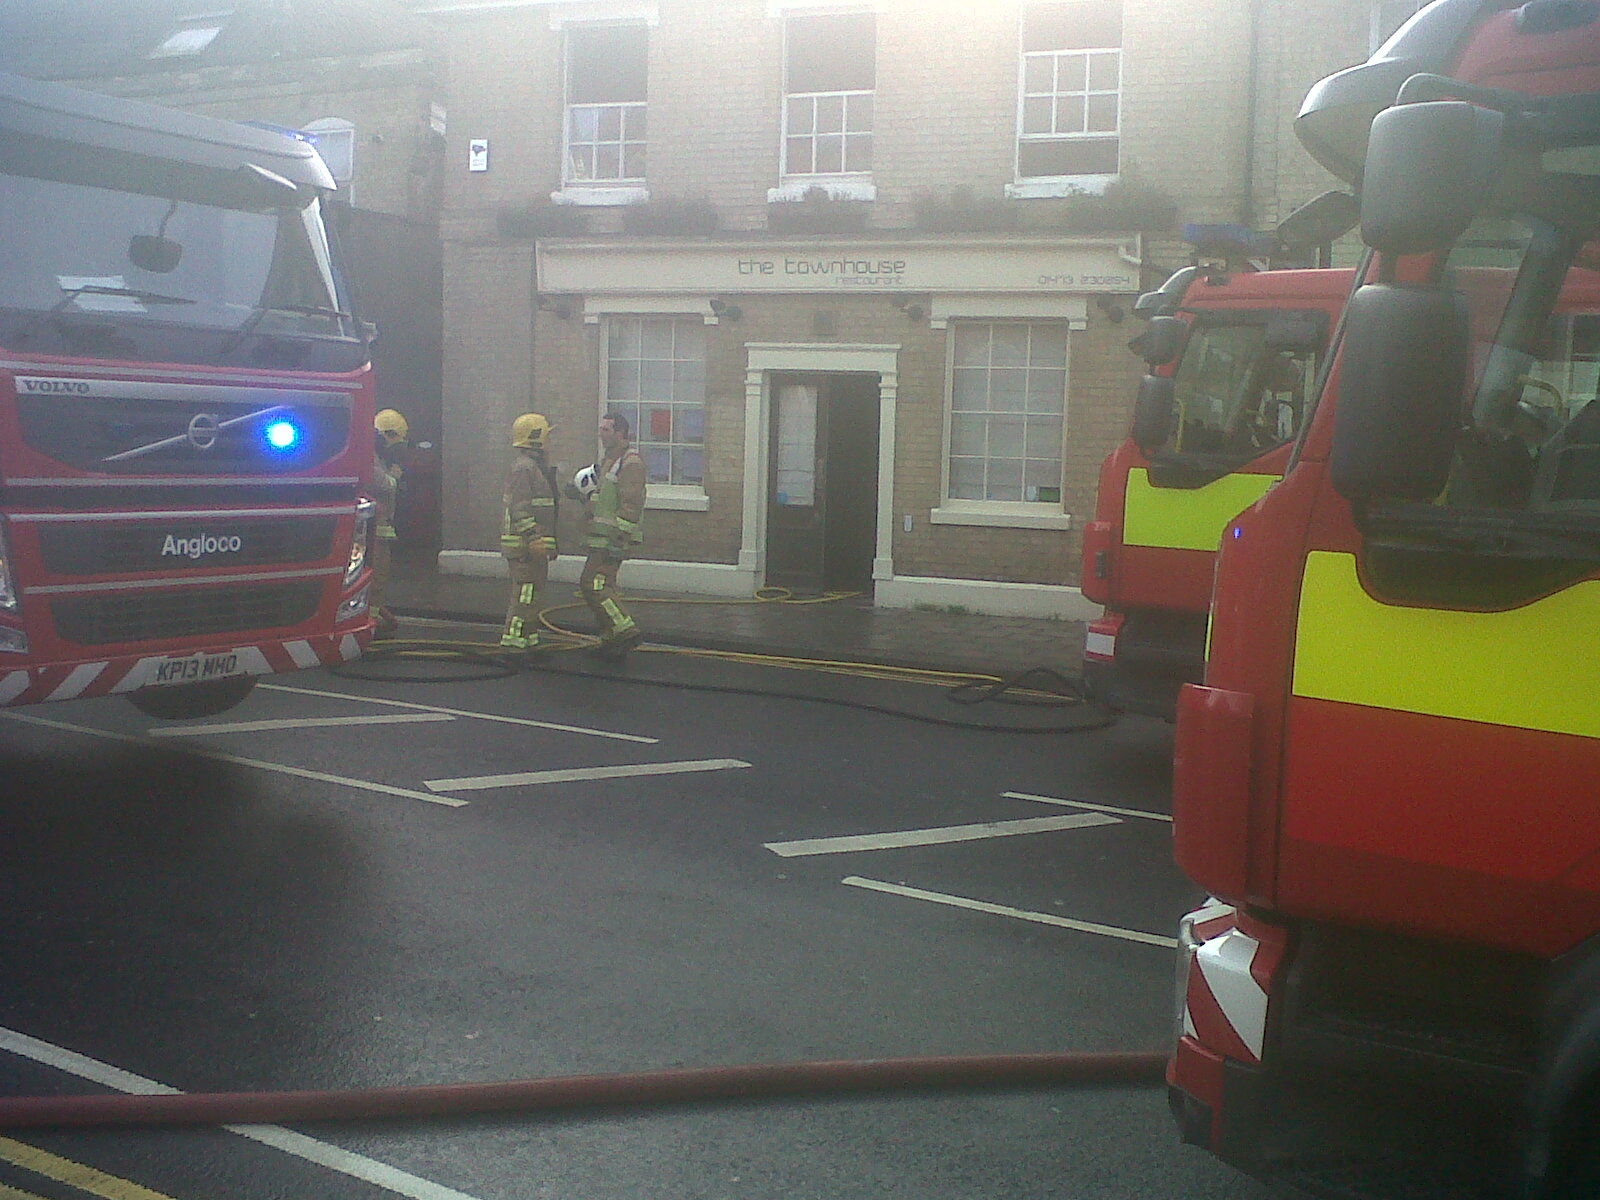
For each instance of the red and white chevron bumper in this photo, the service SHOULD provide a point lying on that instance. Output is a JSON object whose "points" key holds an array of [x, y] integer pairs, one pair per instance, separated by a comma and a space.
{"points": [[79, 680], [1228, 970]]}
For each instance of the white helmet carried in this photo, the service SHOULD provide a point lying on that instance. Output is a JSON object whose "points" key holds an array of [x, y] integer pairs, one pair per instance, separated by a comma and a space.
{"points": [[587, 481]]}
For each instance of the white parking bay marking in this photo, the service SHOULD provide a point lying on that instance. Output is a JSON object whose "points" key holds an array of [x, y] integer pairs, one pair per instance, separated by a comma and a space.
{"points": [[1106, 808], [936, 836], [215, 756], [293, 723], [580, 774], [357, 1166], [1004, 910], [463, 712]]}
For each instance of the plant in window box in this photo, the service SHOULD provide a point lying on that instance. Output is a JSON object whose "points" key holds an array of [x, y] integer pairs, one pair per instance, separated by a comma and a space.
{"points": [[817, 212], [538, 219], [669, 217], [1125, 206], [963, 211]]}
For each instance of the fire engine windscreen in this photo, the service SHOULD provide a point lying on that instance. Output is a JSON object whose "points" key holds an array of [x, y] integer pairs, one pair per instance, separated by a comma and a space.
{"points": [[1239, 390], [211, 272]]}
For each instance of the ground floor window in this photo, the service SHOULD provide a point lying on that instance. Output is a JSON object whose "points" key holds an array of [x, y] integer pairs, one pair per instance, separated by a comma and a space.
{"points": [[655, 376], [1008, 401]]}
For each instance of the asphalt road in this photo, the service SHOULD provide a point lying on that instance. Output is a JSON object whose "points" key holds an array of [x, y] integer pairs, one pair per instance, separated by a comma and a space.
{"points": [[401, 882]]}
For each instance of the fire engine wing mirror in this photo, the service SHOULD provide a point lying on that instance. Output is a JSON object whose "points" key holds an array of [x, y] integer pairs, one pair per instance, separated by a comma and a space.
{"points": [[1165, 299], [1317, 222], [1403, 381], [1429, 169], [1152, 412], [1161, 341]]}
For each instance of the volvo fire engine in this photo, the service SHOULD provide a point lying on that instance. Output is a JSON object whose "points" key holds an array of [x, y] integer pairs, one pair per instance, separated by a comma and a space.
{"points": [[185, 400], [1388, 781], [1233, 358]]}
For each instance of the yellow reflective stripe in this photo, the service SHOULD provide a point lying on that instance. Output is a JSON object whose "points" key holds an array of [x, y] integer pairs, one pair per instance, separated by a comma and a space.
{"points": [[1520, 667], [626, 525], [1186, 518], [540, 502], [525, 524]]}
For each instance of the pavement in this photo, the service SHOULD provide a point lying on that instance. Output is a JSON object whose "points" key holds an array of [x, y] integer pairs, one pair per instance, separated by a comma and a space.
{"points": [[848, 628]]}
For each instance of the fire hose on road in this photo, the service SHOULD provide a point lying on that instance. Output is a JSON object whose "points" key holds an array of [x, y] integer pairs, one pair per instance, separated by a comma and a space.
{"points": [[575, 1092]]}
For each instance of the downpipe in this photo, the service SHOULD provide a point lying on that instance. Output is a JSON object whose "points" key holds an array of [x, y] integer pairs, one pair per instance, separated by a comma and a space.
{"points": [[565, 1093]]}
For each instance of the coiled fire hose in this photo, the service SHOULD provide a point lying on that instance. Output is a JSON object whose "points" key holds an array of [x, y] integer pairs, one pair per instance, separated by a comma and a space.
{"points": [[569, 1092]]}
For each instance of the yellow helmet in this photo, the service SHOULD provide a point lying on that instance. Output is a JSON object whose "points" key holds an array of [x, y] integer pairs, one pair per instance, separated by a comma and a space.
{"points": [[530, 431], [391, 426]]}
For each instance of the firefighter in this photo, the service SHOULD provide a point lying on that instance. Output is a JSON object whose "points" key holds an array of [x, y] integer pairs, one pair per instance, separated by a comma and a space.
{"points": [[616, 510], [390, 432], [528, 529]]}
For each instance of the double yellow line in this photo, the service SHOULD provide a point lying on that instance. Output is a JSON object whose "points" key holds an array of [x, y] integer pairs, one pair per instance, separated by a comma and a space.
{"points": [[64, 1170]]}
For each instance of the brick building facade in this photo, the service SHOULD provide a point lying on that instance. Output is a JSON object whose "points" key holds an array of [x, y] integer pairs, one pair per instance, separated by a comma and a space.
{"points": [[857, 272]]}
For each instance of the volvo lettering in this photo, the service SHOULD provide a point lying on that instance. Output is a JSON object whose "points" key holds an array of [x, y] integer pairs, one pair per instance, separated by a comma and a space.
{"points": [[185, 395]]}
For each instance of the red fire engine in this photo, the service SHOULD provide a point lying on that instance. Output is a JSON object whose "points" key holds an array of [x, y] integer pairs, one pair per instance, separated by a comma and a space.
{"points": [[185, 399], [1388, 781], [1233, 358]]}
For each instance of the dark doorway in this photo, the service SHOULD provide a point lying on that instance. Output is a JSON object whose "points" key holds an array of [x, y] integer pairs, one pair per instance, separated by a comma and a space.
{"points": [[822, 499]]}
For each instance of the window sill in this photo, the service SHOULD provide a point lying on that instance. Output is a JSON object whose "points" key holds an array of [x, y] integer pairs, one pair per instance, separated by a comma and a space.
{"points": [[601, 196], [1059, 187], [839, 187], [677, 497], [1000, 515]]}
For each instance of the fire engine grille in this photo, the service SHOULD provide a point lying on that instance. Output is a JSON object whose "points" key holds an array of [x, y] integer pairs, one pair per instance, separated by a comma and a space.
{"points": [[101, 620], [88, 549], [193, 432]]}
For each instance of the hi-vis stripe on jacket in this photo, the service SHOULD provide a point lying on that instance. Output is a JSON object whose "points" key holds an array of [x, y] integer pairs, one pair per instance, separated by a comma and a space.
{"points": [[619, 504], [529, 520]]}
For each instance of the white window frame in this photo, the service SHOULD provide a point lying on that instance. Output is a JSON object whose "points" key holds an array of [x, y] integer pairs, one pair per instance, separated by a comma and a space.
{"points": [[1010, 514], [623, 189], [684, 497], [1047, 186], [843, 184]]}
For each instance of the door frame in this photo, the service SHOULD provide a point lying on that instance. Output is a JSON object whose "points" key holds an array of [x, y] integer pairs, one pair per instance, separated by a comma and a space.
{"points": [[763, 359]]}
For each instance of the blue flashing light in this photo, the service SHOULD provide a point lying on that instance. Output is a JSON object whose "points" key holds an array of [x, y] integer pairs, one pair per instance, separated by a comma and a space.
{"points": [[282, 435]]}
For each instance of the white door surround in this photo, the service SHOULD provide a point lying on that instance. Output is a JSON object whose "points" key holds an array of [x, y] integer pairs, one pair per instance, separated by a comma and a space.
{"points": [[764, 358]]}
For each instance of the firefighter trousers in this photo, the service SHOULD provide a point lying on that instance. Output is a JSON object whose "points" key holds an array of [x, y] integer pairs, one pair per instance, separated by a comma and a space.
{"points": [[528, 576], [598, 586]]}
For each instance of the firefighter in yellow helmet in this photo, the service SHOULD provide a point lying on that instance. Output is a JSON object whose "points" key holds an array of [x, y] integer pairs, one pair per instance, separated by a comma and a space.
{"points": [[528, 530], [390, 433], [618, 508]]}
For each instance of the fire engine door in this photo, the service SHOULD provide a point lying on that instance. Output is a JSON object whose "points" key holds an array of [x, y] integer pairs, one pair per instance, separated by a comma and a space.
{"points": [[822, 494]]}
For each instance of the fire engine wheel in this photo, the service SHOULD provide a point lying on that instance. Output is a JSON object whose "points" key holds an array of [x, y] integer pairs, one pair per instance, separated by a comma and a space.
{"points": [[189, 700]]}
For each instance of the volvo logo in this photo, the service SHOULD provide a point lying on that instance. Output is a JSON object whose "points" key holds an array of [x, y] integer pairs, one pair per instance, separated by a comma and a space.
{"points": [[203, 431]]}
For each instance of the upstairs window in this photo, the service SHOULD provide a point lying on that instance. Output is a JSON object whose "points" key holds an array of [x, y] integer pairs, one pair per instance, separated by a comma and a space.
{"points": [[606, 115], [1069, 121], [831, 73]]}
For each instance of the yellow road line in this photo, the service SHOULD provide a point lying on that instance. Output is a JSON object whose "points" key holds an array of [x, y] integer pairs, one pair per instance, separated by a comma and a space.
{"points": [[64, 1170]]}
